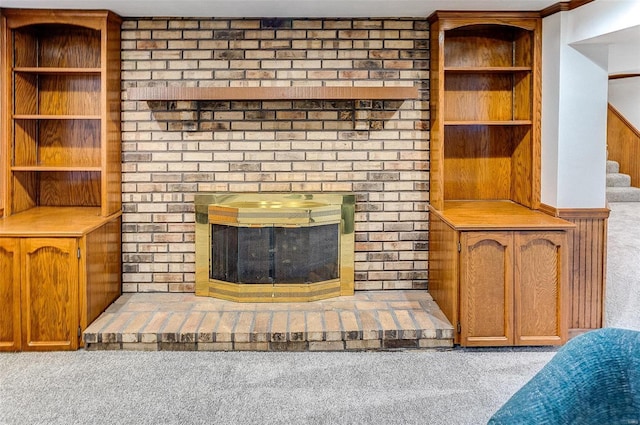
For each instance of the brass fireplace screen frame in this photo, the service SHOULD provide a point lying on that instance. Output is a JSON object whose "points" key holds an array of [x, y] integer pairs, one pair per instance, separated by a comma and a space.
{"points": [[285, 210]]}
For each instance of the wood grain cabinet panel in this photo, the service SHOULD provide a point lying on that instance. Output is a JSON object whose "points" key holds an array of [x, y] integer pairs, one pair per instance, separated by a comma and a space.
{"points": [[10, 335], [102, 268], [49, 294], [512, 288], [486, 288], [540, 295]]}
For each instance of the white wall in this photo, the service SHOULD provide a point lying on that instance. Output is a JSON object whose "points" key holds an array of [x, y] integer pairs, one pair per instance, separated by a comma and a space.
{"points": [[552, 42], [624, 95], [603, 18], [624, 58], [576, 55]]}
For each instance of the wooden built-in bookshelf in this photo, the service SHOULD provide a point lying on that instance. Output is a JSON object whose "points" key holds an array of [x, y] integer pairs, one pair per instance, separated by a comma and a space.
{"points": [[60, 237], [497, 265]]}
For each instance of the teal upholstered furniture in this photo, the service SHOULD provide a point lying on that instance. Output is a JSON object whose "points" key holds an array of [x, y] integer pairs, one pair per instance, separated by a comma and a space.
{"points": [[593, 379]]}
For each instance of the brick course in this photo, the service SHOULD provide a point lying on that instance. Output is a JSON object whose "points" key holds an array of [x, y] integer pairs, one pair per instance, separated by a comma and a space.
{"points": [[375, 149]]}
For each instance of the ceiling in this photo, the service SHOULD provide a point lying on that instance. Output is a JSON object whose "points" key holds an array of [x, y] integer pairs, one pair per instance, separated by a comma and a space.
{"points": [[597, 49], [281, 8]]}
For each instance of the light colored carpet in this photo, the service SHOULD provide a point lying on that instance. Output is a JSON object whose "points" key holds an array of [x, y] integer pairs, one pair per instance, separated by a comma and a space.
{"points": [[622, 300], [404, 387]]}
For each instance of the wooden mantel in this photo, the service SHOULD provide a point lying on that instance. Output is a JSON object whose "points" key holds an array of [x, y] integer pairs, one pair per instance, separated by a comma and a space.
{"points": [[271, 93]]}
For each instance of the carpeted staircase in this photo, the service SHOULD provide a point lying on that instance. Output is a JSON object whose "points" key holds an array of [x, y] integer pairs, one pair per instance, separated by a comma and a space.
{"points": [[619, 185]]}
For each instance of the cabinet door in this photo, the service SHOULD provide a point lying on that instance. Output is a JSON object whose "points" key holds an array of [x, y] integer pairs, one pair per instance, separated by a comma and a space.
{"points": [[486, 282], [10, 294], [540, 273], [49, 294]]}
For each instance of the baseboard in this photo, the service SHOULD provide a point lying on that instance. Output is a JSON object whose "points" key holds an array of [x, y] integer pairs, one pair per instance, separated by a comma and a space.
{"points": [[579, 331]]}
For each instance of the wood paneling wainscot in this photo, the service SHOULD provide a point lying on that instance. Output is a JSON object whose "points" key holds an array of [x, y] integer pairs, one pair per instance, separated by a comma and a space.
{"points": [[587, 266]]}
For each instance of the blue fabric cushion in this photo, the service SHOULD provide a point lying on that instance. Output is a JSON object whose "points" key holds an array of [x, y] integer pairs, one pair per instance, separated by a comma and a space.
{"points": [[593, 379]]}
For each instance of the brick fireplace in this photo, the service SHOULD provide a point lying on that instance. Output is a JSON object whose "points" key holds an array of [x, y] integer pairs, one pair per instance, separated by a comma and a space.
{"points": [[377, 150]]}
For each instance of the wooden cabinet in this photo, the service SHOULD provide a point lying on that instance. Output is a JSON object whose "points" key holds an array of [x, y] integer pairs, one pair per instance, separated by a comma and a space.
{"points": [[502, 283], [61, 174], [497, 265], [511, 290], [56, 285]]}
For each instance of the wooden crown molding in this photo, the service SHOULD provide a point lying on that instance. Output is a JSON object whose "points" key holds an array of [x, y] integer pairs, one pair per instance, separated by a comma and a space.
{"points": [[563, 7]]}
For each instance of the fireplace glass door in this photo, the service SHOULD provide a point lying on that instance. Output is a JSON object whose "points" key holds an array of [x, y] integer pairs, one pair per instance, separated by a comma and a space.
{"points": [[274, 247], [272, 255]]}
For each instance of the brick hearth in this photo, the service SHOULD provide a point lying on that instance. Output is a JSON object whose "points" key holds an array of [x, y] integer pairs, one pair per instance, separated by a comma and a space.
{"points": [[369, 320]]}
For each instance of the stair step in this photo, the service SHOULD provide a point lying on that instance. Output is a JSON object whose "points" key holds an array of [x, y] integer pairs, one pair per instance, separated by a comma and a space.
{"points": [[623, 194], [618, 180], [613, 167]]}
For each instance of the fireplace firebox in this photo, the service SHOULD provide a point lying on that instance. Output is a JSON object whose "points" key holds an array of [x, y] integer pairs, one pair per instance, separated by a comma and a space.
{"points": [[274, 247]]}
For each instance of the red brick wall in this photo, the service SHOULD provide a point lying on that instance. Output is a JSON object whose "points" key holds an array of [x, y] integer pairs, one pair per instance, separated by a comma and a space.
{"points": [[377, 150]]}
